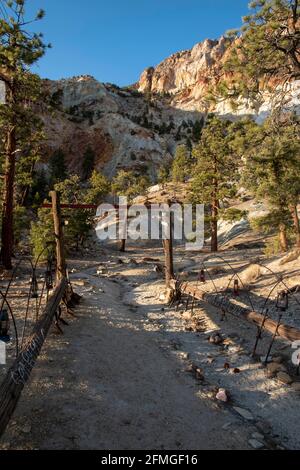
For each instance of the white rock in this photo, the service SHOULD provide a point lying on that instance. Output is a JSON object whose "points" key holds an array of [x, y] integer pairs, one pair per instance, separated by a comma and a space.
{"points": [[258, 436], [26, 429], [263, 359], [227, 426], [222, 395], [256, 444], [244, 413]]}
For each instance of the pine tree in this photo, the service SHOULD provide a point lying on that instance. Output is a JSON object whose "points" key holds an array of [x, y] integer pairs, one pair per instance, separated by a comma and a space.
{"points": [[99, 187], [41, 233], [216, 171], [80, 221], [189, 144], [181, 166], [127, 183], [272, 172], [88, 163], [58, 168], [130, 185], [19, 49], [40, 187], [266, 49], [163, 174], [197, 129]]}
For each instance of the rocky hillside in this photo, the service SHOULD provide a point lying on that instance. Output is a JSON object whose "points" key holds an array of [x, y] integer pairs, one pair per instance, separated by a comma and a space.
{"points": [[138, 127], [124, 127], [187, 76]]}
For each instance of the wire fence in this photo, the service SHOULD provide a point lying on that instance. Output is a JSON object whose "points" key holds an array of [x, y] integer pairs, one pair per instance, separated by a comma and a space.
{"points": [[275, 300], [23, 294]]}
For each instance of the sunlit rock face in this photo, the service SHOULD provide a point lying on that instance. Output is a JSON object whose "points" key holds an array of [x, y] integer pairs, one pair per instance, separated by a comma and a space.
{"points": [[138, 127], [187, 69], [187, 76], [125, 129]]}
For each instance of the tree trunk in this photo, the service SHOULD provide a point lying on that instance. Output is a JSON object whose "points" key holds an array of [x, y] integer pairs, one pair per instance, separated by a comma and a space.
{"points": [[122, 246], [8, 202], [214, 226], [296, 221], [25, 192], [59, 236], [283, 238], [169, 266], [220, 301]]}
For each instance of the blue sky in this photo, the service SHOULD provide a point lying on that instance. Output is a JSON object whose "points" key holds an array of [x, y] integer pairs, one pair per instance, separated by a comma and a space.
{"points": [[116, 40]]}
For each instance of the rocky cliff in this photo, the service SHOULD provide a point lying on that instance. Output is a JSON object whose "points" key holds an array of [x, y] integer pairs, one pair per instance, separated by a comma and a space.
{"points": [[187, 76], [124, 127], [138, 127]]}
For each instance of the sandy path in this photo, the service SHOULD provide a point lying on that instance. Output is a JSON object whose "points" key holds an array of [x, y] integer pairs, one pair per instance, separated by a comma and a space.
{"points": [[108, 384]]}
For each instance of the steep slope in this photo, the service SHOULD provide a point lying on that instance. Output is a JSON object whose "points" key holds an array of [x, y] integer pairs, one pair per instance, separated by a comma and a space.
{"points": [[138, 127], [187, 76], [124, 128]]}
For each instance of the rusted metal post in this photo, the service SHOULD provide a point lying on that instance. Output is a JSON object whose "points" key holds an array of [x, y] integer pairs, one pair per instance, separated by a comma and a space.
{"points": [[61, 271]]}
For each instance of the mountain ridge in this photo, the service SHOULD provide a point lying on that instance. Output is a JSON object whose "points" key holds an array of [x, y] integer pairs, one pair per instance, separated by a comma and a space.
{"points": [[138, 127]]}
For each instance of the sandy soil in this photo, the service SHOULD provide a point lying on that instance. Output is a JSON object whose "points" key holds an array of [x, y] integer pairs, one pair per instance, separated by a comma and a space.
{"points": [[119, 378]]}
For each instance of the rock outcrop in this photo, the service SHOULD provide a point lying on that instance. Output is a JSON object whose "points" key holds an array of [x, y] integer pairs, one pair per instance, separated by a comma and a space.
{"points": [[138, 127], [187, 77], [125, 129]]}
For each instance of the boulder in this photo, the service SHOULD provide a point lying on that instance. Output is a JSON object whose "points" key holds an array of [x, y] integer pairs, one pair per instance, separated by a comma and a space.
{"points": [[284, 378], [296, 386], [244, 413], [222, 395], [274, 367], [256, 444]]}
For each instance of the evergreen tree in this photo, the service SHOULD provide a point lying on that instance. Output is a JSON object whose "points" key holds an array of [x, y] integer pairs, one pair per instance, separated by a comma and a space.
{"points": [[40, 187], [181, 166], [266, 49], [80, 221], [197, 129], [58, 169], [99, 187], [25, 166], [272, 172], [130, 185], [189, 144], [41, 233], [216, 171], [127, 183], [163, 174], [19, 49], [88, 163]]}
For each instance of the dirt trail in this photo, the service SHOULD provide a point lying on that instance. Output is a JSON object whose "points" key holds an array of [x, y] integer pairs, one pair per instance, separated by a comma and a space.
{"points": [[109, 383]]}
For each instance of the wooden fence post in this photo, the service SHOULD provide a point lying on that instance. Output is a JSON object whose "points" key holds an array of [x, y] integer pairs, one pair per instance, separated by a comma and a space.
{"points": [[168, 248], [59, 236], [122, 248]]}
